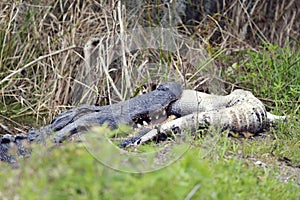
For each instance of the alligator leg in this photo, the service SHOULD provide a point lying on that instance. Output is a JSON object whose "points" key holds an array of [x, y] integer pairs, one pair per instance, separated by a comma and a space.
{"points": [[272, 119]]}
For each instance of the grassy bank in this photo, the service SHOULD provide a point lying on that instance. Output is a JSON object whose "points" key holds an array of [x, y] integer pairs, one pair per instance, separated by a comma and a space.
{"points": [[70, 172], [215, 167], [41, 54]]}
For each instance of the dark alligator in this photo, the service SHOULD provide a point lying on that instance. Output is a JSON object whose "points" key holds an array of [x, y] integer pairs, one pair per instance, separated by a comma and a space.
{"points": [[239, 111], [138, 110]]}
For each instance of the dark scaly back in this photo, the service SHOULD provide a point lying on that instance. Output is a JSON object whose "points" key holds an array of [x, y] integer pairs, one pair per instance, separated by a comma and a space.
{"points": [[139, 106]]}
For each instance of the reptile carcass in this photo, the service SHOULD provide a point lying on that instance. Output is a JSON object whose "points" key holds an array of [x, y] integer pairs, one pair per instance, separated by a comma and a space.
{"points": [[239, 111]]}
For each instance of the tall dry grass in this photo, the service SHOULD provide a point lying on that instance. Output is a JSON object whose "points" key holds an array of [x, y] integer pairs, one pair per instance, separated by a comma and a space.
{"points": [[43, 67], [41, 49]]}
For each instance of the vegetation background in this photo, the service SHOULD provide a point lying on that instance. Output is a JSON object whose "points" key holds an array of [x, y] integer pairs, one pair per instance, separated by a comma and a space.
{"points": [[254, 46]]}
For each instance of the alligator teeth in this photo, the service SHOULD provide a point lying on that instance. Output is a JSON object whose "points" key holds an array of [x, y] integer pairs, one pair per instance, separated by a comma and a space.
{"points": [[164, 112], [139, 125], [157, 116], [145, 123]]}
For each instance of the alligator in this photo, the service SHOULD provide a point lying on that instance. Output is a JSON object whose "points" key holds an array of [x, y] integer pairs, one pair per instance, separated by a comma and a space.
{"points": [[239, 111], [137, 110]]}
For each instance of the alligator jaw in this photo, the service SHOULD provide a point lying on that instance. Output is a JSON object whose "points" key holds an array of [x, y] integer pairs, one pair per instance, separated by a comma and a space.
{"points": [[156, 117]]}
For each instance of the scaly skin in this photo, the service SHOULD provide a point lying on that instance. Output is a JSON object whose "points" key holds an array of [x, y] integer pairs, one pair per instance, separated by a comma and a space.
{"points": [[239, 111], [135, 110]]}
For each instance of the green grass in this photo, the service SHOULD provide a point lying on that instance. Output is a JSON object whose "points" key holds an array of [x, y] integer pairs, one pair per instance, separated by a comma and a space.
{"points": [[215, 167], [272, 73], [71, 172]]}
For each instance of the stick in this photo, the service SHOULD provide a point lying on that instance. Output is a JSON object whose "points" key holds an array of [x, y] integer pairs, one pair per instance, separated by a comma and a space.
{"points": [[35, 61]]}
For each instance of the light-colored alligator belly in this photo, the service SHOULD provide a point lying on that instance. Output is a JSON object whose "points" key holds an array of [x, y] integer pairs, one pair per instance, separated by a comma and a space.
{"points": [[239, 111]]}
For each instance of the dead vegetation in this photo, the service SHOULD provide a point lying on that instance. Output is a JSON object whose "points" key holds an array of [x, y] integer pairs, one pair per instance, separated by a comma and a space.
{"points": [[43, 67]]}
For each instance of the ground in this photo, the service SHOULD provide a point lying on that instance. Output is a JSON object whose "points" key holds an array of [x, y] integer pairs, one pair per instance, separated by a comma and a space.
{"points": [[41, 56]]}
